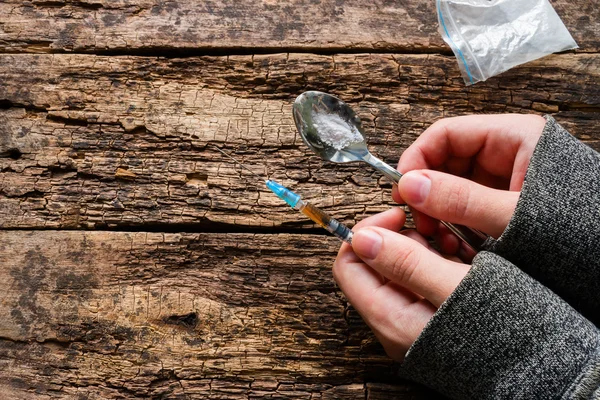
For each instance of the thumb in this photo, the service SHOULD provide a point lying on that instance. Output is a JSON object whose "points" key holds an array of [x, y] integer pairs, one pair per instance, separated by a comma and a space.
{"points": [[458, 200]]}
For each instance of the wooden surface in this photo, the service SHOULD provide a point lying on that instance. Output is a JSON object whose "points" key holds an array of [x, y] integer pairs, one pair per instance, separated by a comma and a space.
{"points": [[136, 262]]}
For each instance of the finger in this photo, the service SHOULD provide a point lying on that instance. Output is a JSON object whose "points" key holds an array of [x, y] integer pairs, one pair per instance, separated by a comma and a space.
{"points": [[503, 144], [425, 225], [392, 219], [382, 303], [395, 195], [417, 237], [408, 263], [397, 325], [459, 166], [465, 253], [458, 200], [448, 242], [396, 315], [452, 247], [483, 177], [356, 279]]}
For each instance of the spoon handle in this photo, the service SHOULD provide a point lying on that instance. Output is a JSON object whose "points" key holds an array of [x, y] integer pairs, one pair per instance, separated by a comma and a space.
{"points": [[383, 167], [472, 237]]}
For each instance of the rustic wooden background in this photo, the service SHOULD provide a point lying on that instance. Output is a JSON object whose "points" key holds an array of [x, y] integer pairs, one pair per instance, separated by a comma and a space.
{"points": [[136, 262]]}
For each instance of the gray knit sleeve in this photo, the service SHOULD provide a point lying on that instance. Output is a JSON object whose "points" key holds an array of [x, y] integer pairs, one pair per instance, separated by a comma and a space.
{"points": [[502, 335], [554, 233]]}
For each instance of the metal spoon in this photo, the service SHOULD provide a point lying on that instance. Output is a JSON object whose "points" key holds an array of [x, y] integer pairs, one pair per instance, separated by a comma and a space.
{"points": [[331, 129]]}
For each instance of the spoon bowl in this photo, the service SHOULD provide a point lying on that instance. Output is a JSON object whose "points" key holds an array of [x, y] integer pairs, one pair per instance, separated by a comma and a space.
{"points": [[311, 109], [332, 130]]}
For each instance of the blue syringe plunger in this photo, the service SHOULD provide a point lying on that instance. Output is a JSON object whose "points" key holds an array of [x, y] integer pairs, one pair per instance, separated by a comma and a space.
{"points": [[283, 193]]}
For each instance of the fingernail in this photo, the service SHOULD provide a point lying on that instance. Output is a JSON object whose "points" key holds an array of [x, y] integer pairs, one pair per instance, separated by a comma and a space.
{"points": [[367, 243], [415, 187]]}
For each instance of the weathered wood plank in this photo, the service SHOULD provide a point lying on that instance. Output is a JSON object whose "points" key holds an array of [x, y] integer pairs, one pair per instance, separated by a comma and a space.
{"points": [[110, 314], [93, 142], [154, 25]]}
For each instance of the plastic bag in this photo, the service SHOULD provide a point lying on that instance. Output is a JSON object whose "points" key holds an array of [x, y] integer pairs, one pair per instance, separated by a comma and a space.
{"points": [[489, 37]]}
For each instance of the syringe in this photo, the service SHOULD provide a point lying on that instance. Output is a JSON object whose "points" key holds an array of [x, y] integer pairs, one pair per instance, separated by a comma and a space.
{"points": [[295, 201], [317, 215]]}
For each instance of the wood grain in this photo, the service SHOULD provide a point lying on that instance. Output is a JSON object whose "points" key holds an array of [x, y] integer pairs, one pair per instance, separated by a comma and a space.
{"points": [[116, 314], [96, 142], [168, 27], [136, 262]]}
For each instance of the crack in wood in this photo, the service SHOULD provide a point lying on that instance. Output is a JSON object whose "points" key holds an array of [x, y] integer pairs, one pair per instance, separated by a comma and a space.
{"points": [[147, 163], [60, 4]]}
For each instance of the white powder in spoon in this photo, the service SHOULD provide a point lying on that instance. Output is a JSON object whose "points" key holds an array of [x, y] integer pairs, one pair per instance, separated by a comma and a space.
{"points": [[335, 131]]}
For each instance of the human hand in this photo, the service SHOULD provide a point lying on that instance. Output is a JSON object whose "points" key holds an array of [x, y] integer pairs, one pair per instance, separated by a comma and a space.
{"points": [[395, 281], [469, 171]]}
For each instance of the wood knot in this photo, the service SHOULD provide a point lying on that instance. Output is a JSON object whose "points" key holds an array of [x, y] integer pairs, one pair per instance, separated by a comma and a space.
{"points": [[12, 153], [187, 320]]}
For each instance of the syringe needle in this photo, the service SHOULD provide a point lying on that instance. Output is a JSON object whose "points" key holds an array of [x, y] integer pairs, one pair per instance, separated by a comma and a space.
{"points": [[239, 163]]}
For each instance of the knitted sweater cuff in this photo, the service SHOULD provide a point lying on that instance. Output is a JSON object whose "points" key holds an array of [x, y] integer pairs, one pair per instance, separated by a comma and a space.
{"points": [[553, 234], [502, 335]]}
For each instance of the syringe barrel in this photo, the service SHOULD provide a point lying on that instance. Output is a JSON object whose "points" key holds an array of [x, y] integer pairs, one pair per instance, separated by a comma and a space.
{"points": [[312, 212], [330, 224]]}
